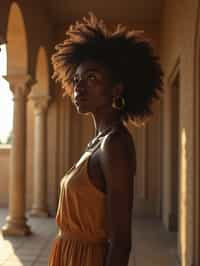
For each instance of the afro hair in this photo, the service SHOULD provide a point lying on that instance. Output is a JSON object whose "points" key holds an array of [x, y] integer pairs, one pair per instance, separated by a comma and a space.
{"points": [[129, 57]]}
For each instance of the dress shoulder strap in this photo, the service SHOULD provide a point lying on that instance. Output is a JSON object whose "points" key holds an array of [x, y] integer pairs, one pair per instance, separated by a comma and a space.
{"points": [[87, 154], [89, 151]]}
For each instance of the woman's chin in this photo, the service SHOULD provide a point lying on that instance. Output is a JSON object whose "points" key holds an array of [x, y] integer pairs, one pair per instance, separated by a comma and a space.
{"points": [[81, 109]]}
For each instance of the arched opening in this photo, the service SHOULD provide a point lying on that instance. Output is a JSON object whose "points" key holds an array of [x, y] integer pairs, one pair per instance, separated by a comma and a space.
{"points": [[41, 88], [17, 42], [6, 103]]}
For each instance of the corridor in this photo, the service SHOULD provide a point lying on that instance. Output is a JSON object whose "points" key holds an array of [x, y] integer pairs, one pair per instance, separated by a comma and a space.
{"points": [[153, 246]]}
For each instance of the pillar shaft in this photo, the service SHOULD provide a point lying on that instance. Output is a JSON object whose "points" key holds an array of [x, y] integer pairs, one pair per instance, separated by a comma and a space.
{"points": [[17, 183], [39, 207], [16, 220]]}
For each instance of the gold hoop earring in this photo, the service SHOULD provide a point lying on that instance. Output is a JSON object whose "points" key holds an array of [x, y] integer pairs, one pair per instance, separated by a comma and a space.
{"points": [[64, 94], [72, 99], [118, 103]]}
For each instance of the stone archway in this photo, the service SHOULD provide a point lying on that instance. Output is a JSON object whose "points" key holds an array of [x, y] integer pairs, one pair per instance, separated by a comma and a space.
{"points": [[42, 74], [20, 85], [37, 131]]}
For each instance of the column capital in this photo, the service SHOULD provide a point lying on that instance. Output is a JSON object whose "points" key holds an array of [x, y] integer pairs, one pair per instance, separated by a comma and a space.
{"points": [[40, 103], [20, 84]]}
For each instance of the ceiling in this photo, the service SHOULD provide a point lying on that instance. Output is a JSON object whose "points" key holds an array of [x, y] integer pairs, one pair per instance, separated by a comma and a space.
{"points": [[120, 11]]}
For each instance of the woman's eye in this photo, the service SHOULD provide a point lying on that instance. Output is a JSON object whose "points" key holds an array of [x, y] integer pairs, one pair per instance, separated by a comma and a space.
{"points": [[91, 77], [88, 77], [75, 80]]}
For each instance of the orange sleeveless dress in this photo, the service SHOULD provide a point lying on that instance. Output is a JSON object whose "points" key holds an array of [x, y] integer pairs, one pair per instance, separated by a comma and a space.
{"points": [[81, 216]]}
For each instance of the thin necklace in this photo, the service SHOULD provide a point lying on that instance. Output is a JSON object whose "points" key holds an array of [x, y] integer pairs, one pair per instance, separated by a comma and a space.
{"points": [[102, 134]]}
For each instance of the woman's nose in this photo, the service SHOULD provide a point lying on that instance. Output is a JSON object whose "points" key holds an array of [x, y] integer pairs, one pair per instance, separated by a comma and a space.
{"points": [[80, 86]]}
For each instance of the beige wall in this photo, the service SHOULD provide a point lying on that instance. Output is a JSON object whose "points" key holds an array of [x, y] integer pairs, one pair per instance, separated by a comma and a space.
{"points": [[177, 53], [147, 193]]}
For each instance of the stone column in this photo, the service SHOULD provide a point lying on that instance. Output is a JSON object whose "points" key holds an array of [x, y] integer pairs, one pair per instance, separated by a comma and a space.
{"points": [[39, 207], [16, 220]]}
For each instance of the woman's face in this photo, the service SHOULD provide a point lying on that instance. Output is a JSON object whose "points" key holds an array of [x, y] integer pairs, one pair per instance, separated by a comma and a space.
{"points": [[92, 88]]}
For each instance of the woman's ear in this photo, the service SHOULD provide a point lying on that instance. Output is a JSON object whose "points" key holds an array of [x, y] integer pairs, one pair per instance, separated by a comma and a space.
{"points": [[118, 90]]}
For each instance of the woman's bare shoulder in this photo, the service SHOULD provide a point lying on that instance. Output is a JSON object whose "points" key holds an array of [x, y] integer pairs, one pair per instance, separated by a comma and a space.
{"points": [[118, 149], [119, 139]]}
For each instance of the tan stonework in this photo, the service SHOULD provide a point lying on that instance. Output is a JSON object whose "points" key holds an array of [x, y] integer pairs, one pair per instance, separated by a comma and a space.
{"points": [[39, 207], [16, 221]]}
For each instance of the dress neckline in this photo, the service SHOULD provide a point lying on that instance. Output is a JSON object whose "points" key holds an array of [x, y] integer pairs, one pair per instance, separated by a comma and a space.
{"points": [[88, 152]]}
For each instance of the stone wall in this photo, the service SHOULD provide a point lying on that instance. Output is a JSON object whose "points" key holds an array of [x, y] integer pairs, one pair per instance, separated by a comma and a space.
{"points": [[177, 53]]}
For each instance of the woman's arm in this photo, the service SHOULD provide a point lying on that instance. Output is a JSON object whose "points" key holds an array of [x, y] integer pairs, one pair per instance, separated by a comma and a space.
{"points": [[118, 162]]}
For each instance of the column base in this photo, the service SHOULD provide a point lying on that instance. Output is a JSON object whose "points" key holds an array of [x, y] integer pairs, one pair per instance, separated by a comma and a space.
{"points": [[15, 227], [38, 213]]}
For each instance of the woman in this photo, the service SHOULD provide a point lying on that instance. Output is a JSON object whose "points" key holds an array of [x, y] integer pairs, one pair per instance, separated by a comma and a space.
{"points": [[114, 77]]}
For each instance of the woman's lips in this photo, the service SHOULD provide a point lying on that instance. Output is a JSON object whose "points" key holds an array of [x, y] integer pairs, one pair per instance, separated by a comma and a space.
{"points": [[80, 99]]}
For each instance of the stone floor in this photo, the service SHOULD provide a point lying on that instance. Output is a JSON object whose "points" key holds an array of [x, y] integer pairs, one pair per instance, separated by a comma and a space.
{"points": [[152, 245]]}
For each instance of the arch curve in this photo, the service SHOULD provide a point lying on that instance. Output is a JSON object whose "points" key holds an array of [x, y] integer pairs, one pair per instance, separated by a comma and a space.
{"points": [[41, 88], [17, 50]]}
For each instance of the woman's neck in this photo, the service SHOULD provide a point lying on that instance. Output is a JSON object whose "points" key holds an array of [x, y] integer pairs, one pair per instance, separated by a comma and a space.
{"points": [[106, 120]]}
